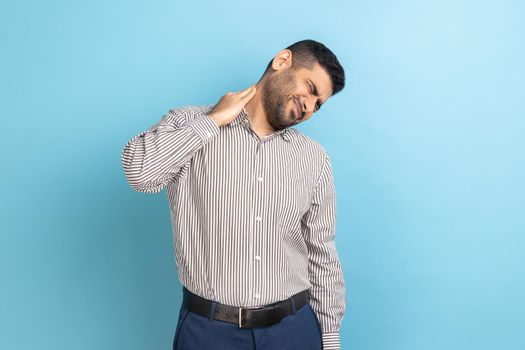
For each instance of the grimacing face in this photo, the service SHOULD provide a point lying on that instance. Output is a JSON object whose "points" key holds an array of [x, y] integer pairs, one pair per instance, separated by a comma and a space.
{"points": [[292, 97]]}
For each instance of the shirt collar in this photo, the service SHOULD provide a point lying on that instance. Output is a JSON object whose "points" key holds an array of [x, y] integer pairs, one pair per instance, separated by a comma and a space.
{"points": [[243, 118]]}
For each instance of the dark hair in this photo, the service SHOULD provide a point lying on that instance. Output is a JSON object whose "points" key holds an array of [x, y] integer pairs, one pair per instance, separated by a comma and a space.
{"points": [[306, 53]]}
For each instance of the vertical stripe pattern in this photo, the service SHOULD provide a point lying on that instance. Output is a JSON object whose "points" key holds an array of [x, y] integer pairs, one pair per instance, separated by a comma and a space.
{"points": [[253, 219]]}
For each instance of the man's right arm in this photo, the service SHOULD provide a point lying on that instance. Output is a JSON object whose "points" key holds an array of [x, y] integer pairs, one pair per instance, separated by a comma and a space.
{"points": [[153, 158]]}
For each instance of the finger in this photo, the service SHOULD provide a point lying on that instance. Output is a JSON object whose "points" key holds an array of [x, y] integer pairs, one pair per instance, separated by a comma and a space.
{"points": [[245, 99], [248, 91], [249, 88]]}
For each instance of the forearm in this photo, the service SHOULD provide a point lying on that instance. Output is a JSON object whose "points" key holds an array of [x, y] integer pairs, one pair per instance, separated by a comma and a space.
{"points": [[154, 156], [327, 299]]}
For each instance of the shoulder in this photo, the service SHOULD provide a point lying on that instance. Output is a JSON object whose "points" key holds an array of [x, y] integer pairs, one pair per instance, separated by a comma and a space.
{"points": [[309, 145], [311, 154]]}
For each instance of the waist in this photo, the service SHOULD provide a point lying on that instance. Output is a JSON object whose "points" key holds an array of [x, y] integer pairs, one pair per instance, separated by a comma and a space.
{"points": [[245, 317]]}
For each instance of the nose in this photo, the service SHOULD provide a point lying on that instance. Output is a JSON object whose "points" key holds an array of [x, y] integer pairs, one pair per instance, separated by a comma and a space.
{"points": [[307, 106]]}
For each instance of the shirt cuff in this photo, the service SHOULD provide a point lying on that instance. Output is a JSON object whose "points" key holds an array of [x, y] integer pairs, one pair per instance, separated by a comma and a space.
{"points": [[205, 127], [331, 341]]}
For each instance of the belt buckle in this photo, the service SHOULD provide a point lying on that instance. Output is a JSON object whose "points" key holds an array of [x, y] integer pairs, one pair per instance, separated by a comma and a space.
{"points": [[240, 317], [247, 308]]}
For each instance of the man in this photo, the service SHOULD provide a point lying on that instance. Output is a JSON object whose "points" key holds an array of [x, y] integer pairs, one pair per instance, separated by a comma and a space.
{"points": [[252, 204]]}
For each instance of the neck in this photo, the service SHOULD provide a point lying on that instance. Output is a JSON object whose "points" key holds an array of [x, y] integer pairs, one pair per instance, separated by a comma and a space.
{"points": [[257, 114]]}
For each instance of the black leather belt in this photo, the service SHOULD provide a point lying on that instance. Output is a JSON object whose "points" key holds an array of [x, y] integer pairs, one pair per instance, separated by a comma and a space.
{"points": [[262, 316]]}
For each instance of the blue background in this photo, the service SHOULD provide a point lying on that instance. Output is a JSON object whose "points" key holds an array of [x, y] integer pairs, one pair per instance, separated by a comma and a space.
{"points": [[427, 144]]}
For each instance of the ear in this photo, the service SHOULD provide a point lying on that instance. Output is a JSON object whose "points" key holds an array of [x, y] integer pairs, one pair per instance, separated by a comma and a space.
{"points": [[282, 60]]}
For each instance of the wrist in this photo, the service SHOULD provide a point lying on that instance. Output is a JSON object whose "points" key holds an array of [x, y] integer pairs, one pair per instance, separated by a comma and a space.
{"points": [[215, 119]]}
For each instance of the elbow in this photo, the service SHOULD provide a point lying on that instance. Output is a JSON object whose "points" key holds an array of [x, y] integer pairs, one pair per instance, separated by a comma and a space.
{"points": [[133, 173], [139, 182], [140, 185]]}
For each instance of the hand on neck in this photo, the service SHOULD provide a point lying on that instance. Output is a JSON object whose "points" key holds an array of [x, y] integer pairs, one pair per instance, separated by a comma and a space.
{"points": [[255, 110]]}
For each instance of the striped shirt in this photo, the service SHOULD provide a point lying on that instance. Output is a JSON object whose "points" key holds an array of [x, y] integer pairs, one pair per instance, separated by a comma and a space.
{"points": [[253, 219]]}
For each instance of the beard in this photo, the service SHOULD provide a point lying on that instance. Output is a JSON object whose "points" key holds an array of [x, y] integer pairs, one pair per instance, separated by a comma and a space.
{"points": [[278, 92]]}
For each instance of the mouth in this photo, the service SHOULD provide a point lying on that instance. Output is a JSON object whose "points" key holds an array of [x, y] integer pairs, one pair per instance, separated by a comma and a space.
{"points": [[297, 109]]}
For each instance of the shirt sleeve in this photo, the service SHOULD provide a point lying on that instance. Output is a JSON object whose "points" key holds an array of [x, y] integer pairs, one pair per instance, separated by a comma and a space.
{"points": [[327, 296], [155, 156]]}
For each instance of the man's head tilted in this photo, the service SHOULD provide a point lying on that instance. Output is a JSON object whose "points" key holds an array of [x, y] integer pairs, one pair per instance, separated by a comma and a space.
{"points": [[297, 81]]}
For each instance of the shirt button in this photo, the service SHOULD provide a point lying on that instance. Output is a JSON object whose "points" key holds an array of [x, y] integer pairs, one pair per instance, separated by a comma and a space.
{"points": [[258, 218], [257, 296], [208, 133], [257, 257], [259, 178]]}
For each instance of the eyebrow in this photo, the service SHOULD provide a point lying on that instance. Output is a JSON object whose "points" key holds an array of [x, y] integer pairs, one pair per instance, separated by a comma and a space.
{"points": [[316, 93]]}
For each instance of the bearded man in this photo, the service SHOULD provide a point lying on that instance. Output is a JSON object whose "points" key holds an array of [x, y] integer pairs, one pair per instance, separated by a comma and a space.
{"points": [[252, 205]]}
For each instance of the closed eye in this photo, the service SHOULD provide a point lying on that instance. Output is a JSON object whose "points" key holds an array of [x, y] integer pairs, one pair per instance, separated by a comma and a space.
{"points": [[317, 105]]}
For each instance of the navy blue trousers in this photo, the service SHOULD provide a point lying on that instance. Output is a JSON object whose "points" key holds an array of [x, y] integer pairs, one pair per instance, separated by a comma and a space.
{"points": [[298, 331]]}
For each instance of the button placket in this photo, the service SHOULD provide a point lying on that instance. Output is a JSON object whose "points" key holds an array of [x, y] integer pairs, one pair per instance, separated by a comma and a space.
{"points": [[259, 222]]}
